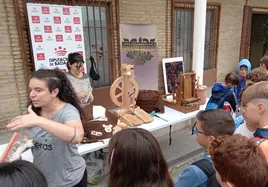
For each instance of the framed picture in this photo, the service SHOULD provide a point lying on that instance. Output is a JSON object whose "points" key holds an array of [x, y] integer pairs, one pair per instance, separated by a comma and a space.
{"points": [[171, 69]]}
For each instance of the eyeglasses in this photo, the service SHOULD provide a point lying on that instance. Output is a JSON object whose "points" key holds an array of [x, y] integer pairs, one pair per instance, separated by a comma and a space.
{"points": [[195, 130]]}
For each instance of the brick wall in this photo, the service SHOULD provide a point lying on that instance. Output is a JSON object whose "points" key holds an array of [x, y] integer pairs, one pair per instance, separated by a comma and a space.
{"points": [[12, 76], [258, 3], [229, 36], [230, 33], [151, 12], [159, 12]]}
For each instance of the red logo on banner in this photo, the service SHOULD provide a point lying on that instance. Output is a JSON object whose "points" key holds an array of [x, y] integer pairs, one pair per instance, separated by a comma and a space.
{"points": [[60, 51], [76, 20], [35, 19], [64, 70], [78, 37], [38, 38], [59, 38], [45, 10], [66, 11], [48, 29], [68, 29], [40, 56], [57, 19], [80, 52]]}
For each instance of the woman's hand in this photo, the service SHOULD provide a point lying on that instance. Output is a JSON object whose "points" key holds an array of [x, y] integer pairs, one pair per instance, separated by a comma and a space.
{"points": [[80, 95], [24, 121], [90, 99]]}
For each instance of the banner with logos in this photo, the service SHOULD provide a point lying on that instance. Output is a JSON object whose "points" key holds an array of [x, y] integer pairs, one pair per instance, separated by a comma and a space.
{"points": [[56, 31]]}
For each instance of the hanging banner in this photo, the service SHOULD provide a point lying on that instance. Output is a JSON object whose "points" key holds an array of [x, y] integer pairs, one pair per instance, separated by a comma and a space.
{"points": [[139, 47], [56, 31]]}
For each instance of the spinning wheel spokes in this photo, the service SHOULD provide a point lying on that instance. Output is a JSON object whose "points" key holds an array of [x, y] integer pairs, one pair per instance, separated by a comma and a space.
{"points": [[119, 90], [119, 95]]}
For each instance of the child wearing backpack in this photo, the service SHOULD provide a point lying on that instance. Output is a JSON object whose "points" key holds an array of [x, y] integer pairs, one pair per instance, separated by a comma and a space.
{"points": [[255, 112], [210, 124], [221, 92], [238, 162]]}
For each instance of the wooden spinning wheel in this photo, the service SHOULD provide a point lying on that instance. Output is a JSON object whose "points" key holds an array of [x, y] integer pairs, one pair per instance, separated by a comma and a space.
{"points": [[123, 93], [125, 89]]}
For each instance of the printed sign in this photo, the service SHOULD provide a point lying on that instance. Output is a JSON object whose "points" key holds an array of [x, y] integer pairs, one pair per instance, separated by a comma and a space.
{"points": [[66, 11], [59, 38], [52, 29], [45, 10], [76, 20], [57, 19], [38, 38], [35, 19], [40, 56], [48, 29], [78, 37], [68, 29]]}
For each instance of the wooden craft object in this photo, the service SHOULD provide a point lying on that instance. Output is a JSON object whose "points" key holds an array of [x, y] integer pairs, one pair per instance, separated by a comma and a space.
{"points": [[134, 121], [125, 89], [117, 128], [200, 92], [123, 93], [185, 99], [143, 115], [122, 125]]}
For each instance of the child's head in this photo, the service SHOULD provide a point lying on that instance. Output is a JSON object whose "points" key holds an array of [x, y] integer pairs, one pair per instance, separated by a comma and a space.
{"points": [[232, 79], [244, 67], [136, 159], [75, 62], [255, 105], [238, 162], [264, 62], [21, 173], [211, 124], [257, 75], [243, 70]]}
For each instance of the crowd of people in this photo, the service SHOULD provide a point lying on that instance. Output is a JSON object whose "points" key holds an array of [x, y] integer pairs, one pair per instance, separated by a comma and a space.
{"points": [[135, 157]]}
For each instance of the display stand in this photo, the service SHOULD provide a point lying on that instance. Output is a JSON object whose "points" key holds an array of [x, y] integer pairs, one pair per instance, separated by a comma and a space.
{"points": [[185, 99]]}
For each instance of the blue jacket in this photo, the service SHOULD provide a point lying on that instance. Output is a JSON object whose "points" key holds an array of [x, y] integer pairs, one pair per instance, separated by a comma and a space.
{"points": [[219, 91], [193, 176], [242, 84]]}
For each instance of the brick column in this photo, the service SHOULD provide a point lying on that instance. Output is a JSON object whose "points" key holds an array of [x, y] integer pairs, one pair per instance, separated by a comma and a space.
{"points": [[13, 96]]}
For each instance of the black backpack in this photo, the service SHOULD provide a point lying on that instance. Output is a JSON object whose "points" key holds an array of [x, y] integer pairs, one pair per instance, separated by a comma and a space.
{"points": [[94, 73], [207, 167]]}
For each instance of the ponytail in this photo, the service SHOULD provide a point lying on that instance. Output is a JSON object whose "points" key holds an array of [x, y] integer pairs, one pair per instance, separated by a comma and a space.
{"points": [[57, 79]]}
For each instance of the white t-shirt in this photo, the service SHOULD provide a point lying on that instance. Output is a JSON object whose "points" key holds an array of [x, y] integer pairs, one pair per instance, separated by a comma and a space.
{"points": [[244, 131]]}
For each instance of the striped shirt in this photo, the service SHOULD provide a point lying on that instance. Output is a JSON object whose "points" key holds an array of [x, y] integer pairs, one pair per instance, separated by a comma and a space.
{"points": [[81, 85]]}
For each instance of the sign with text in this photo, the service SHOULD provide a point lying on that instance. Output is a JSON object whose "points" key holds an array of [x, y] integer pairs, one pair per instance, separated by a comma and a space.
{"points": [[56, 31]]}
